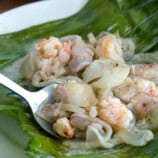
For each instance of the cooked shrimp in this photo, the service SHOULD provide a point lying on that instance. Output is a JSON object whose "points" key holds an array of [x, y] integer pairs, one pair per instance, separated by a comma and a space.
{"points": [[110, 47], [51, 57], [48, 48], [147, 71], [134, 85], [67, 47], [66, 53], [112, 111], [63, 128]]}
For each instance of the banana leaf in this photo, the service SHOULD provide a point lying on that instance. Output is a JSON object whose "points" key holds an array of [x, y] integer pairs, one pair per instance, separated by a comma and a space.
{"points": [[137, 19]]}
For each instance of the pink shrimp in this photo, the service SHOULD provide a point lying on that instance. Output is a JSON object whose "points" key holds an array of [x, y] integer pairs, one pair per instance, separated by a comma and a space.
{"points": [[66, 53], [63, 128], [110, 47], [112, 111], [48, 48]]}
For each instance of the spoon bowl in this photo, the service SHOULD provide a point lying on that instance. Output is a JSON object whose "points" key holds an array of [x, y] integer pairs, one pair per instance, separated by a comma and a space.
{"points": [[36, 100]]}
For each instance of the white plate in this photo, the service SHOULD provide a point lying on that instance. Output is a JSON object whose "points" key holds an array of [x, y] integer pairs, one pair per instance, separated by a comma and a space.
{"points": [[37, 13], [12, 139]]}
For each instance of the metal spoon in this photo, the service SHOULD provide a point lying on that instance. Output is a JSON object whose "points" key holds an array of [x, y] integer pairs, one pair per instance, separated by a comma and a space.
{"points": [[35, 100]]}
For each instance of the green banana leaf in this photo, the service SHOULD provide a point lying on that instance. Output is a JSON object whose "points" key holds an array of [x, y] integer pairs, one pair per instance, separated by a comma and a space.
{"points": [[137, 19]]}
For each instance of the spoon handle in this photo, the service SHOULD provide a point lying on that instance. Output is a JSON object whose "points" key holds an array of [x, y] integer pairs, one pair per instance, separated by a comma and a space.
{"points": [[6, 82]]}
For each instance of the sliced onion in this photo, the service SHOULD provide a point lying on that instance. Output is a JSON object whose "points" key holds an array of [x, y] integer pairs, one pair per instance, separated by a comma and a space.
{"points": [[97, 137], [80, 95], [135, 137], [93, 71], [105, 73], [72, 108]]}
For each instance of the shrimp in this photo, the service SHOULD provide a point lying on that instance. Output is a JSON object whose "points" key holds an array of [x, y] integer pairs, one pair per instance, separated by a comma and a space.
{"points": [[112, 111], [110, 47], [63, 128], [48, 48], [67, 47], [51, 57], [146, 71], [134, 85], [66, 53]]}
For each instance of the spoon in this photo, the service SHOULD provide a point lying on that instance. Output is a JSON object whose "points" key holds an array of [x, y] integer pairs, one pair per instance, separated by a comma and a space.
{"points": [[36, 100]]}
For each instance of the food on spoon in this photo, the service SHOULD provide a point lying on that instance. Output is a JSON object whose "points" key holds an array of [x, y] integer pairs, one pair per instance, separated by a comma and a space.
{"points": [[63, 127], [78, 94], [100, 98]]}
